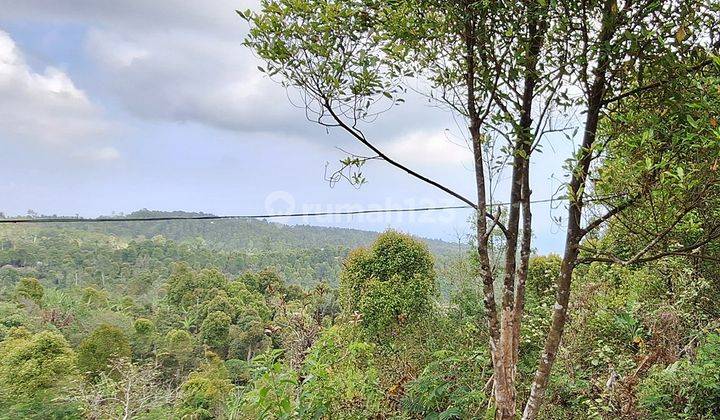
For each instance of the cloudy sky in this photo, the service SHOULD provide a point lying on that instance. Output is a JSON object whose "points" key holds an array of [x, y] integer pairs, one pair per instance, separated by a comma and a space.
{"points": [[109, 107]]}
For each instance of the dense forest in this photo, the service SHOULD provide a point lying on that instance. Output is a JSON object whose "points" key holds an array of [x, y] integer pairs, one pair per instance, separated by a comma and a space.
{"points": [[102, 326]]}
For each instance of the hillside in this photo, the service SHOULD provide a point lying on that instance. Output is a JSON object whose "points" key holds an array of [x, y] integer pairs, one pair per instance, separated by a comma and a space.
{"points": [[125, 254], [250, 235]]}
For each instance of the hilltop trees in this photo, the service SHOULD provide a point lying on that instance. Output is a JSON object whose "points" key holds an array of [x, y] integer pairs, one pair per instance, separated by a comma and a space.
{"points": [[517, 72]]}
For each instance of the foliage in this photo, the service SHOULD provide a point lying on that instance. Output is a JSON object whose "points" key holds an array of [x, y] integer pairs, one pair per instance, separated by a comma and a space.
{"points": [[282, 352], [30, 288], [203, 394], [143, 337], [271, 394], [388, 285], [186, 288], [178, 345], [11, 316], [341, 378], [687, 388], [215, 330], [34, 370], [668, 144], [97, 351], [451, 386], [126, 390]]}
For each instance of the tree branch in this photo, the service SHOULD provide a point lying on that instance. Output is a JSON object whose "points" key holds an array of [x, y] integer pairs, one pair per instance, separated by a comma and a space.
{"points": [[362, 139], [607, 216], [650, 86]]}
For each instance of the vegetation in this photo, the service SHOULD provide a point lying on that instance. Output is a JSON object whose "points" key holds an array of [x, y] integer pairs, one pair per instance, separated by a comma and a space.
{"points": [[642, 75], [195, 342], [251, 320]]}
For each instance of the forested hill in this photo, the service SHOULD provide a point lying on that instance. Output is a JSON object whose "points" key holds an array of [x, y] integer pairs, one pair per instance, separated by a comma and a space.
{"points": [[243, 234], [122, 255]]}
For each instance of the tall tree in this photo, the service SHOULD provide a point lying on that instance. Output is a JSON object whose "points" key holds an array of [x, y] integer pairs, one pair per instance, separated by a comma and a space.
{"points": [[517, 72]]}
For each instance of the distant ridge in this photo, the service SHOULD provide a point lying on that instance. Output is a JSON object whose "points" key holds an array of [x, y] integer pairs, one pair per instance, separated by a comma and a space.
{"points": [[245, 234]]}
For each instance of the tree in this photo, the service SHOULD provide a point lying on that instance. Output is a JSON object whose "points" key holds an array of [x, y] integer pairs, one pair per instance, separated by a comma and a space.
{"points": [[34, 368], [389, 285], [248, 340], [126, 391], [266, 282], [94, 297], [186, 288], [97, 351], [143, 338], [30, 288], [215, 330], [180, 345], [203, 394], [512, 71]]}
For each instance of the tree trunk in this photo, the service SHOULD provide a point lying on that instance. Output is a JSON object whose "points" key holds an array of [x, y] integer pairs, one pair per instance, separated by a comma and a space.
{"points": [[503, 388], [575, 231]]}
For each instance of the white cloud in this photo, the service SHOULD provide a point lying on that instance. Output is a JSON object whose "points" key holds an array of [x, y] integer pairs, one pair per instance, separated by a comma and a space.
{"points": [[182, 76], [44, 108], [103, 154], [179, 61], [429, 148]]}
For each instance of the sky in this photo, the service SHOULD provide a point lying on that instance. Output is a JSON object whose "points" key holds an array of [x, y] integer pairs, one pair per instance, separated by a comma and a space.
{"points": [[108, 107]]}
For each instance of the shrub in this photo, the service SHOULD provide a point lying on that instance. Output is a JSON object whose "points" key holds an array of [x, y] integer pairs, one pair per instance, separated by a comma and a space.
{"points": [[272, 392], [203, 394], [238, 371], [450, 386], [342, 381], [34, 370], [687, 388], [94, 297]]}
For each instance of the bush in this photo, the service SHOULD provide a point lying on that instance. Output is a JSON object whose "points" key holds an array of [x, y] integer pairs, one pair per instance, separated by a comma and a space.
{"points": [[34, 370], [450, 386], [342, 381], [203, 394], [687, 388], [272, 392], [94, 297], [11, 315], [238, 371], [143, 326]]}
